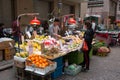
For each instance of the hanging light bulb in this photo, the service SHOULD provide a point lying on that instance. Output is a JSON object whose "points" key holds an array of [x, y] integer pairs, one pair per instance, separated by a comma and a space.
{"points": [[35, 21]]}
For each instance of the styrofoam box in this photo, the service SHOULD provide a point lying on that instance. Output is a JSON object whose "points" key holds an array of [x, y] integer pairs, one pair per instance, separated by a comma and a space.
{"points": [[20, 59], [46, 70]]}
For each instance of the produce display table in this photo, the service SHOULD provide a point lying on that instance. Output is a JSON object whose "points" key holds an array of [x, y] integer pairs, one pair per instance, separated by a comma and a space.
{"points": [[109, 37], [48, 55], [105, 37]]}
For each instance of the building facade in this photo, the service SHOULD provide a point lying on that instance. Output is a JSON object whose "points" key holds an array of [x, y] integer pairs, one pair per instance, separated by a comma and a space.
{"points": [[106, 9], [10, 9], [118, 10]]}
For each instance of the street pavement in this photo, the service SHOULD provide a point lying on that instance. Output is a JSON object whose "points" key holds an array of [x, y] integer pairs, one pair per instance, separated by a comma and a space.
{"points": [[101, 68]]}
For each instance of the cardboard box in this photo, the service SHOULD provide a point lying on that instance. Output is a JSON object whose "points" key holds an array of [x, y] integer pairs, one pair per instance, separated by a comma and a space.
{"points": [[9, 53], [8, 57], [7, 44], [1, 55]]}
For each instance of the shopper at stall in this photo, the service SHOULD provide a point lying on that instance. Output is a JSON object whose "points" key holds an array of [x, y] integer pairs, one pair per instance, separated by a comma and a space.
{"points": [[15, 31], [1, 30], [93, 25], [54, 28], [88, 37]]}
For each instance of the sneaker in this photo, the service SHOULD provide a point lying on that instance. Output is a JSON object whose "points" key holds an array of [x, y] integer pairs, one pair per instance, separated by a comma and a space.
{"points": [[84, 69]]}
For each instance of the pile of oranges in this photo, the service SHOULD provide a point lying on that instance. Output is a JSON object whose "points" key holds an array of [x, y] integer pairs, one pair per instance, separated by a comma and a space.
{"points": [[37, 60]]}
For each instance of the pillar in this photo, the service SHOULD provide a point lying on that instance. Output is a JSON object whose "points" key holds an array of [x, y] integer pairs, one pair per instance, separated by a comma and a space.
{"points": [[24, 6], [83, 7], [77, 10], [6, 12]]}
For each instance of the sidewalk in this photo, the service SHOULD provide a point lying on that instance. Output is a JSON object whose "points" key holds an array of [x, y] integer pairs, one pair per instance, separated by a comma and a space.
{"points": [[101, 68]]}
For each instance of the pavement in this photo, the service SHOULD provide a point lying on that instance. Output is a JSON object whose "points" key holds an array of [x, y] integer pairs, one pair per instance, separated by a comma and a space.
{"points": [[101, 68]]}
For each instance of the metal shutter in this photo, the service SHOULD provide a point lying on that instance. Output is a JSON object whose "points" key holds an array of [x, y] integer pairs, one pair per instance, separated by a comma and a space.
{"points": [[42, 7]]}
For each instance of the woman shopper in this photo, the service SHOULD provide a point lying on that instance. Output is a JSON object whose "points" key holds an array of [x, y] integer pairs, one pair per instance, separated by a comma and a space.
{"points": [[88, 37]]}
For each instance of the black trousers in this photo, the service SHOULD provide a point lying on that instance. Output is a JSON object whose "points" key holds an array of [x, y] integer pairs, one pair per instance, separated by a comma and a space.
{"points": [[86, 61]]}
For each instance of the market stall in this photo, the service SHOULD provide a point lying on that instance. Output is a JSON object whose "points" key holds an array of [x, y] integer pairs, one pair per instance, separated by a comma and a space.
{"points": [[109, 37], [45, 55], [35, 52]]}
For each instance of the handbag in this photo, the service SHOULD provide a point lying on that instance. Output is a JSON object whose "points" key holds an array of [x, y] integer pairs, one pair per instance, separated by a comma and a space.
{"points": [[84, 47]]}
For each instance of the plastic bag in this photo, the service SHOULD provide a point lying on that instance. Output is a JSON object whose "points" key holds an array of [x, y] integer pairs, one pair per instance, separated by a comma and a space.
{"points": [[84, 47]]}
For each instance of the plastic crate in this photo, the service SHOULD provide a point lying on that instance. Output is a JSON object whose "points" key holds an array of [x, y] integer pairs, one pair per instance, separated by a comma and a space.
{"points": [[57, 73], [72, 72], [59, 61]]}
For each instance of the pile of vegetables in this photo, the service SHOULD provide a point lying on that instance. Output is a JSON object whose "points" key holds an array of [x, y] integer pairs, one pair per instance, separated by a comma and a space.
{"points": [[100, 47]]}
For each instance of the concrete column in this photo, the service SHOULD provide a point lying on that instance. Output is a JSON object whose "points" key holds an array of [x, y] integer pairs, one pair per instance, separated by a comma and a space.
{"points": [[106, 10], [56, 7], [6, 12], [83, 10], [77, 10], [24, 6]]}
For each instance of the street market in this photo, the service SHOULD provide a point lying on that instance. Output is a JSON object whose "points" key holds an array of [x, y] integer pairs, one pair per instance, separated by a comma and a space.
{"points": [[44, 55], [64, 42]]}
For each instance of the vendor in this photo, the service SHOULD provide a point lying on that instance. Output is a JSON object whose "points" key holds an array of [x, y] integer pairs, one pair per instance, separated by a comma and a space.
{"points": [[29, 28], [54, 29], [72, 25]]}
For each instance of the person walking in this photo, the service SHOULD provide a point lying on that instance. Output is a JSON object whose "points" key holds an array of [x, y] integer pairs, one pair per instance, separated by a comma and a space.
{"points": [[88, 37]]}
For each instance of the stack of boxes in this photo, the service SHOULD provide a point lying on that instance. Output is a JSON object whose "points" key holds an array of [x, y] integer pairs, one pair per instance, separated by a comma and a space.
{"points": [[9, 53], [7, 50]]}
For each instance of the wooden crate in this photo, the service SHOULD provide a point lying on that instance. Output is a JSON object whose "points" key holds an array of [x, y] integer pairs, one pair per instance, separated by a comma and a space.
{"points": [[9, 53], [1, 55], [8, 57], [7, 44]]}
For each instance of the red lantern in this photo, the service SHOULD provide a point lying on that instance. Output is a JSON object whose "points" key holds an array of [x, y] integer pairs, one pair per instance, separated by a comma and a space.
{"points": [[71, 21], [35, 21]]}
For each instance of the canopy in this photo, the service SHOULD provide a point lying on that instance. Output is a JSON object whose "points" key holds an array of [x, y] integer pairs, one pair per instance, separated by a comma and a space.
{"points": [[91, 18]]}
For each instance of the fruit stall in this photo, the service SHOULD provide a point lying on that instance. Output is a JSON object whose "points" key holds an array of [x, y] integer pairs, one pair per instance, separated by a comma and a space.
{"points": [[47, 56], [110, 37]]}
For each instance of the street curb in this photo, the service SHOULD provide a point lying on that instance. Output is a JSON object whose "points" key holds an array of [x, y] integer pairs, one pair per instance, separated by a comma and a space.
{"points": [[6, 65]]}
